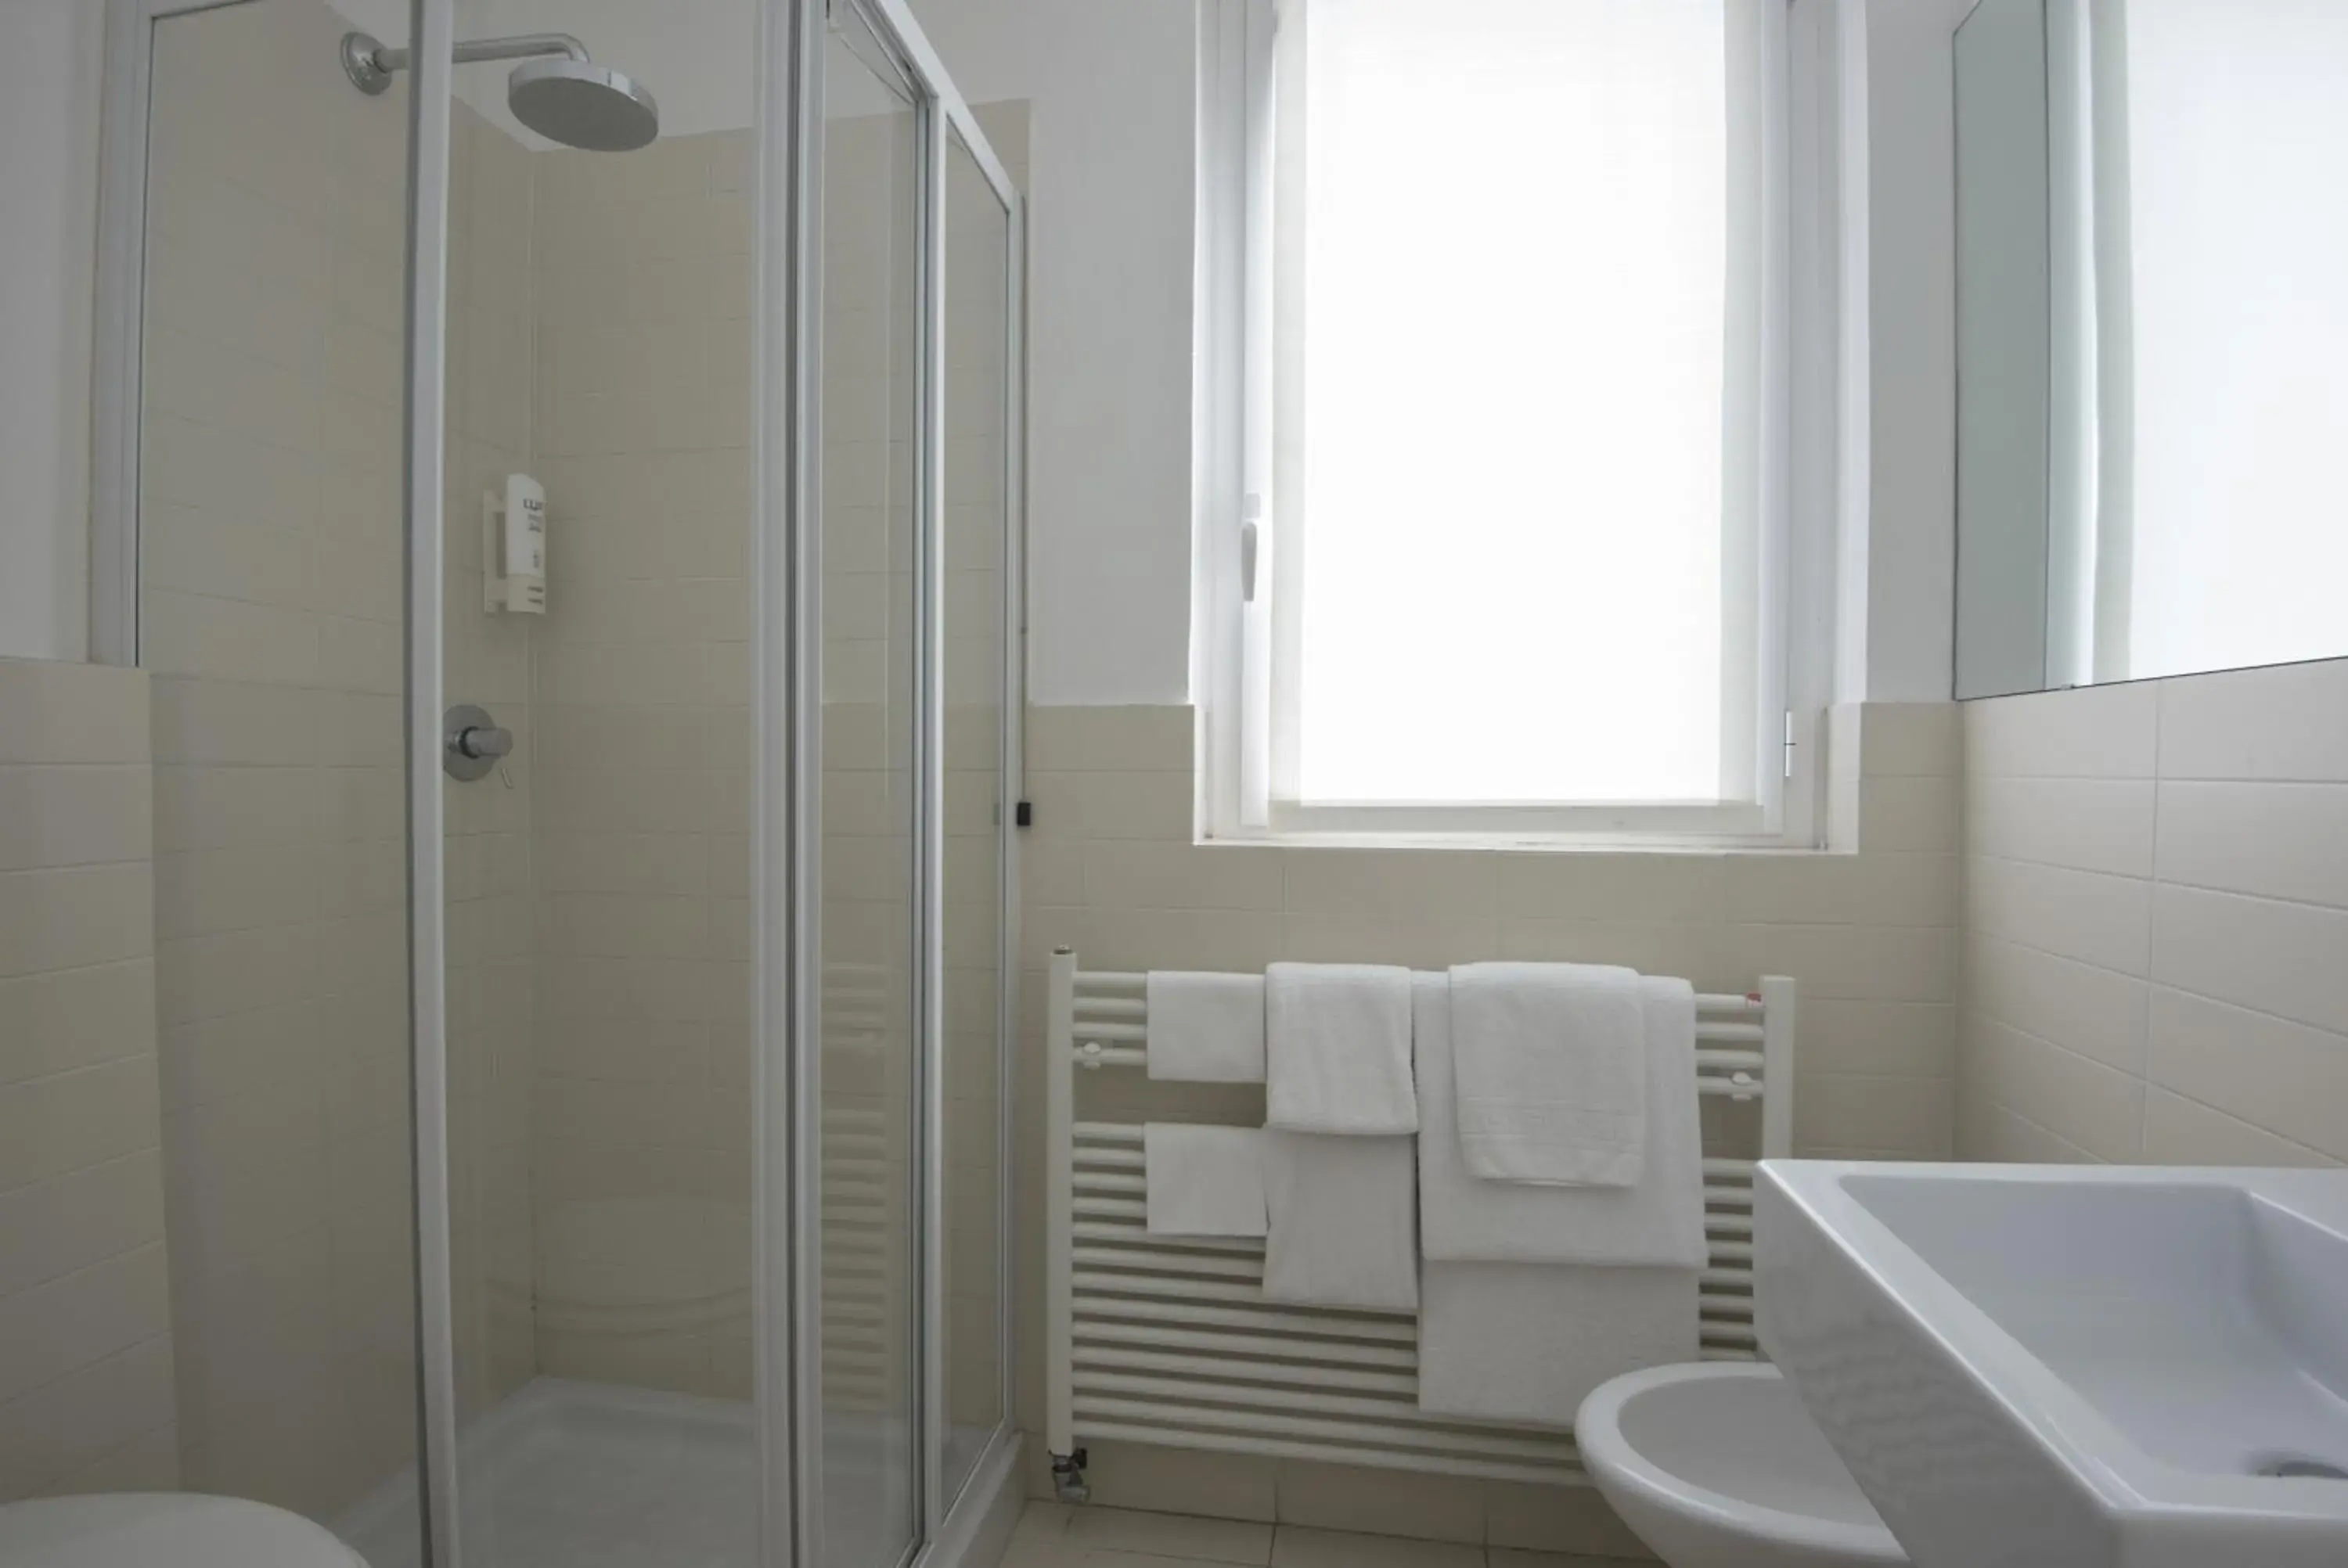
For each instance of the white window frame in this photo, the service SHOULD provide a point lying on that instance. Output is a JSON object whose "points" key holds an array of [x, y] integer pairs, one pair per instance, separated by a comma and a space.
{"points": [[1245, 738]]}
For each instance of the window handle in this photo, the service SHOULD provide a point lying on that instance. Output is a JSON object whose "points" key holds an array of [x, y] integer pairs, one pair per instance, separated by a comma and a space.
{"points": [[1250, 511]]}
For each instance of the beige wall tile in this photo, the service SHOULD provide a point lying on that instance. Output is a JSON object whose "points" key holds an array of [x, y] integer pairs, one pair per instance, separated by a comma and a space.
{"points": [[1631, 888], [1116, 806], [2085, 915], [2288, 722], [2098, 732], [1852, 1035], [2094, 1012], [2275, 840], [1426, 944], [86, 1379], [63, 715], [1118, 874], [1997, 1132], [2078, 1099], [2181, 1132], [1122, 740], [1429, 886], [76, 917], [2274, 1074], [1909, 738], [82, 1318], [2085, 825], [1910, 812], [1890, 888], [59, 817], [1904, 1118], [1889, 963], [69, 1018], [2254, 952]]}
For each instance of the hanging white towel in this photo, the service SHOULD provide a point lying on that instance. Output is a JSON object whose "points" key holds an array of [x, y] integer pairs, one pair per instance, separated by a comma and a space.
{"points": [[1659, 1221], [1527, 1342], [1548, 1061], [1203, 1180], [1337, 1049], [1344, 1231], [1205, 1028]]}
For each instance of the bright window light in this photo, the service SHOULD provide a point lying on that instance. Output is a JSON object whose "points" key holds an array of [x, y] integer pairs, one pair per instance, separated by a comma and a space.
{"points": [[1510, 274]]}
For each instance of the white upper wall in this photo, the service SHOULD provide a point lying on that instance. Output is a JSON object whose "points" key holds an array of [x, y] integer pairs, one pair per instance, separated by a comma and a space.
{"points": [[1110, 147], [51, 56]]}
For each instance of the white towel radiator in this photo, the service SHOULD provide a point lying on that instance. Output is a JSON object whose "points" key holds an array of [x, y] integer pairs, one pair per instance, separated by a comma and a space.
{"points": [[1168, 1341]]}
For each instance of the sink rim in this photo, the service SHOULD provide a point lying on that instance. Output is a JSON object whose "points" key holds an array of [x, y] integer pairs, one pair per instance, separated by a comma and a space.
{"points": [[2079, 1440]]}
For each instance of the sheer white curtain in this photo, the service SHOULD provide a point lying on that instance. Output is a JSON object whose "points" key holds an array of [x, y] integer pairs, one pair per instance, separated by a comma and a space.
{"points": [[1518, 402]]}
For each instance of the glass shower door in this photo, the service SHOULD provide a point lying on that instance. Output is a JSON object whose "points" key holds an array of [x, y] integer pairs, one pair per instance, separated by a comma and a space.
{"points": [[977, 692], [263, 261], [557, 1247], [598, 952], [869, 1145]]}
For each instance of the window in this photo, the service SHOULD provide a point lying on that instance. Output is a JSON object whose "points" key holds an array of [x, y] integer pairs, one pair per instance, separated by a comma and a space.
{"points": [[1496, 400]]}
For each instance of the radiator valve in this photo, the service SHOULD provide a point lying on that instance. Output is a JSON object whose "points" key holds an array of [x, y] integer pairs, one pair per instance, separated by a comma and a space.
{"points": [[1068, 1477]]}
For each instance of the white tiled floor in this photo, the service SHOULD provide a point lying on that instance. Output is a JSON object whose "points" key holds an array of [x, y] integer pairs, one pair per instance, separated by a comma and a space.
{"points": [[1053, 1535]]}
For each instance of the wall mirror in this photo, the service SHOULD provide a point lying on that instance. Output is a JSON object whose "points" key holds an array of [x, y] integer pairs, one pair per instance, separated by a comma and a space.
{"points": [[2152, 305]]}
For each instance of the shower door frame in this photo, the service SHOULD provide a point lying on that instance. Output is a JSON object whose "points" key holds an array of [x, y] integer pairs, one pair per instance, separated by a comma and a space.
{"points": [[786, 541], [790, 577], [116, 419]]}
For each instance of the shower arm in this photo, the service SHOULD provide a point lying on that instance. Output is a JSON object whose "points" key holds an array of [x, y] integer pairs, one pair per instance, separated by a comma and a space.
{"points": [[370, 66]]}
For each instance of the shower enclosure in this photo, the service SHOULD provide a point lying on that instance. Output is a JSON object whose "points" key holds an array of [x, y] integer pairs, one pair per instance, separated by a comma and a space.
{"points": [[559, 464]]}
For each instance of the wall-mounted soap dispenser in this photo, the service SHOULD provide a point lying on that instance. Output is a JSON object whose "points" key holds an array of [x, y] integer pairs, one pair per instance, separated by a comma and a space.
{"points": [[513, 547]]}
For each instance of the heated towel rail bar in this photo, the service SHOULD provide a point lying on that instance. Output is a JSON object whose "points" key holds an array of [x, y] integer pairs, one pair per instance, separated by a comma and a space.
{"points": [[1169, 1340]]}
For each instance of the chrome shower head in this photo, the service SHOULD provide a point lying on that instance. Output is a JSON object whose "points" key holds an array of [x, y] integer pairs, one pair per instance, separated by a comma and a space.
{"points": [[556, 92], [581, 104]]}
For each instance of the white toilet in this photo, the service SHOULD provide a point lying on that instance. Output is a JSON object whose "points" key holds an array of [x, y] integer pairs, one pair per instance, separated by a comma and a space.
{"points": [[1717, 1465], [163, 1530]]}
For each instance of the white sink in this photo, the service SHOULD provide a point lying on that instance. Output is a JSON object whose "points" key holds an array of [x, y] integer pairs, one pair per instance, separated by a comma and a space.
{"points": [[2067, 1366]]}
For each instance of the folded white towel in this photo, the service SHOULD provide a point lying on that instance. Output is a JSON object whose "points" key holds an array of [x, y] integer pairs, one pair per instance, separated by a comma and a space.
{"points": [[1527, 1342], [1203, 1180], [1659, 1221], [1337, 1049], [1549, 1062], [1205, 1028], [1343, 1231]]}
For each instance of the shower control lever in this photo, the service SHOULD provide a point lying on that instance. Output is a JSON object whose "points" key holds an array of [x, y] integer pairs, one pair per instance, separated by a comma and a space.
{"points": [[474, 743], [480, 743]]}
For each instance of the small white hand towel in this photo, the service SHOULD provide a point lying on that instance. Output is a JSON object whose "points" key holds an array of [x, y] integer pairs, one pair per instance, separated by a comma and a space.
{"points": [[1337, 1049], [1660, 1221], [1550, 1065], [1344, 1231], [1527, 1342], [1203, 1180], [1205, 1028]]}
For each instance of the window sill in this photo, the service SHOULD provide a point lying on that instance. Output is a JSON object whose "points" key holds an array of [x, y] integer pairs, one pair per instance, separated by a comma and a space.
{"points": [[1524, 843]]}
